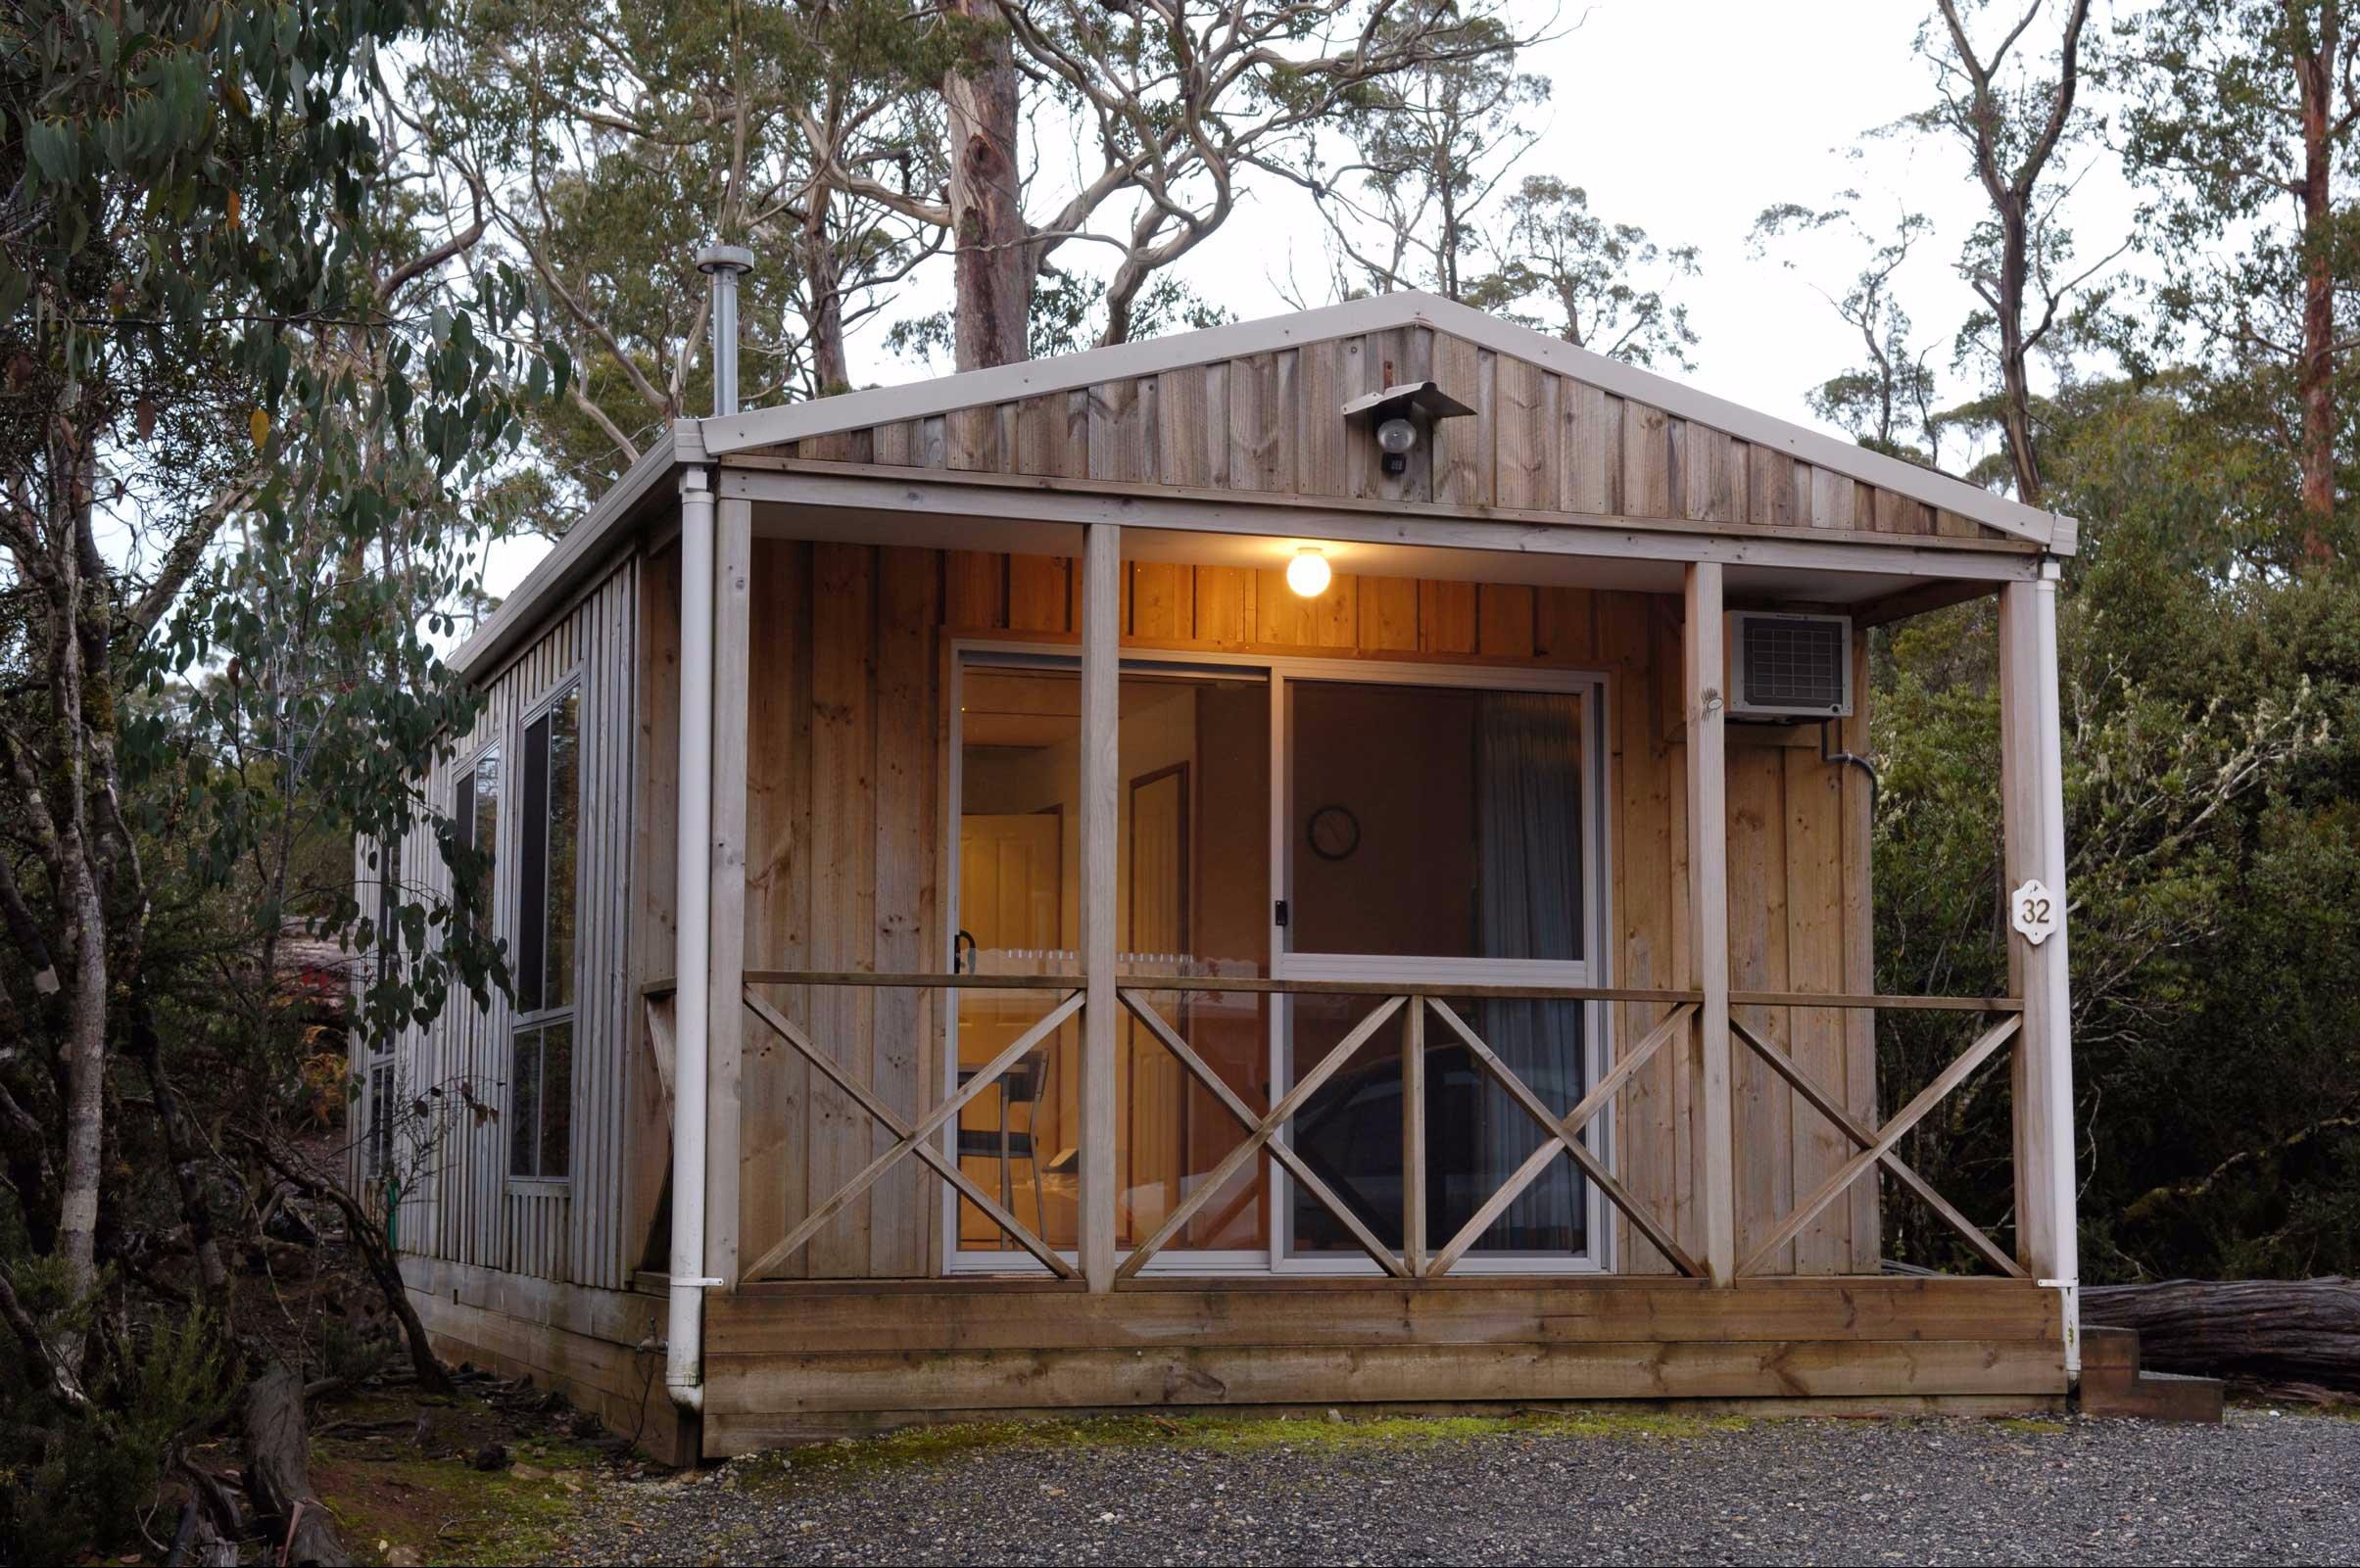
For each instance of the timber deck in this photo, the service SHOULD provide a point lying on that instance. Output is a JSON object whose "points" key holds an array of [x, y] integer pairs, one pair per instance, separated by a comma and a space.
{"points": [[798, 1361]]}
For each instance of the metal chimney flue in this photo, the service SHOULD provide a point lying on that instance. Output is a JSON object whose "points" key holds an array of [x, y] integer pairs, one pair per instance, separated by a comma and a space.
{"points": [[722, 263]]}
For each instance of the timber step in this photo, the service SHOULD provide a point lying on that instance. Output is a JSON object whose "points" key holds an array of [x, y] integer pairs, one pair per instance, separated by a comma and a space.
{"points": [[2112, 1383]]}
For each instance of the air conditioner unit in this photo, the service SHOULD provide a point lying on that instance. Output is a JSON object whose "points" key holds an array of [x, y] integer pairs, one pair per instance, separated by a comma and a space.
{"points": [[1789, 666]]}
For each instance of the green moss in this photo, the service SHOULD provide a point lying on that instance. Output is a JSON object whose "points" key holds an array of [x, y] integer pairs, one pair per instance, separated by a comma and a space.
{"points": [[2031, 1425], [444, 1511], [1214, 1433]]}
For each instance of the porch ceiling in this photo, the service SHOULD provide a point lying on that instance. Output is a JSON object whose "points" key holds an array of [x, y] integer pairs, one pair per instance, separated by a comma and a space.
{"points": [[937, 530]]}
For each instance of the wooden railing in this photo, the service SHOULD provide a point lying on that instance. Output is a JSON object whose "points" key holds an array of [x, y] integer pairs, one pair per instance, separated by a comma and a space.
{"points": [[1874, 1147], [919, 1139], [1413, 1260]]}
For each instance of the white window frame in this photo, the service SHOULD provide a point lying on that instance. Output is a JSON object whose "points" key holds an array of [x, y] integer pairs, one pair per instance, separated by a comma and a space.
{"points": [[1435, 976], [1594, 968], [509, 900]]}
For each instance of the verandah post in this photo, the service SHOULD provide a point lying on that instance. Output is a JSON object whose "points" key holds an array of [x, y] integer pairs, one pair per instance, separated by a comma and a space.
{"points": [[733, 574], [2033, 803], [1702, 667], [1101, 652]]}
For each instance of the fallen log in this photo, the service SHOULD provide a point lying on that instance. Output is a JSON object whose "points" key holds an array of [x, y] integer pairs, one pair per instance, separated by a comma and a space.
{"points": [[278, 1470], [2271, 1331]]}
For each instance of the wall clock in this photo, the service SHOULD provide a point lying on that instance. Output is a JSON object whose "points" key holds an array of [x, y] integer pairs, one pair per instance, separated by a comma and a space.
{"points": [[1334, 832]]}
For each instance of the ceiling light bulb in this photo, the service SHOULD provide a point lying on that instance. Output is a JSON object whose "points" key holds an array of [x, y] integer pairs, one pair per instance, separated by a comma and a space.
{"points": [[1307, 574]]}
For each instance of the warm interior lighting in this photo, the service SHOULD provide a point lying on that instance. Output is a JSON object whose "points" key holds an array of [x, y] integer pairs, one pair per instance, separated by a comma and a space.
{"points": [[1307, 574]]}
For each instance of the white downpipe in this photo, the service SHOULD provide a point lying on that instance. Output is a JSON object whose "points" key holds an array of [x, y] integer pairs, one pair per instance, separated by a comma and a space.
{"points": [[684, 1336]]}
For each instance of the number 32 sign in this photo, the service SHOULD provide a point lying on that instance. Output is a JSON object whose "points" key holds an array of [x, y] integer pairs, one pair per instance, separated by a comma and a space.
{"points": [[2032, 910]]}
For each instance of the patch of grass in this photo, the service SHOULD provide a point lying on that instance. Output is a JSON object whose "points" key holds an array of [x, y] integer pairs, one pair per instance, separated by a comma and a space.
{"points": [[444, 1511], [1216, 1432], [2031, 1425]]}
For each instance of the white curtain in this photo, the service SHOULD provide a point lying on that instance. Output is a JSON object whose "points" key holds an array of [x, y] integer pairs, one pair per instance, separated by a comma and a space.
{"points": [[1529, 808]]}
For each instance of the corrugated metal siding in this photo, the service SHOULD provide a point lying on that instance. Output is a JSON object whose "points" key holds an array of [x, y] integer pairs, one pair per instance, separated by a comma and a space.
{"points": [[465, 1210]]}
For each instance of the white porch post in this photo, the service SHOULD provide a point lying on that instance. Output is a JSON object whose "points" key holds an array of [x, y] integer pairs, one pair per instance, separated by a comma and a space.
{"points": [[1101, 607], [1709, 905], [2033, 796], [723, 860], [684, 1344]]}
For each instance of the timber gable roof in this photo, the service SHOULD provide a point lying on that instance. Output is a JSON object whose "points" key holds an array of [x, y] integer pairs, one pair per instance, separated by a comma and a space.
{"points": [[1557, 428], [1559, 435]]}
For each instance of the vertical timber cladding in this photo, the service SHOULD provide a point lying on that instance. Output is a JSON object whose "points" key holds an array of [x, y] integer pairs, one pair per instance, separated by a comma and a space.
{"points": [[846, 795], [1538, 442], [464, 1210]]}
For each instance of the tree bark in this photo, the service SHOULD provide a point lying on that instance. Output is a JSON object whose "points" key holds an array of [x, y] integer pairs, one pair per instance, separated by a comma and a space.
{"points": [[383, 1268], [2011, 198], [2315, 372], [179, 1147], [2261, 1330], [278, 1470], [830, 367], [85, 933], [992, 258]]}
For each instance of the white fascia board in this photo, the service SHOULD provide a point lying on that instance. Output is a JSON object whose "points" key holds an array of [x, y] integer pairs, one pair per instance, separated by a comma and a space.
{"points": [[853, 410], [578, 551]]}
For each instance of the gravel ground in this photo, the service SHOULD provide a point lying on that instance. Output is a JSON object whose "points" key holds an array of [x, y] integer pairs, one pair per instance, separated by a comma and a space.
{"points": [[2265, 1487]]}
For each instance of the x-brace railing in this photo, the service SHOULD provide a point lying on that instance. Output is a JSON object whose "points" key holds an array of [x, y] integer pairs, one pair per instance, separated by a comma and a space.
{"points": [[1875, 1148], [1262, 1132], [919, 1139], [1566, 1138]]}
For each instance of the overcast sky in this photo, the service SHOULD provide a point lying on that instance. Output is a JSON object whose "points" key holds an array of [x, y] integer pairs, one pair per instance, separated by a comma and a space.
{"points": [[1688, 117]]}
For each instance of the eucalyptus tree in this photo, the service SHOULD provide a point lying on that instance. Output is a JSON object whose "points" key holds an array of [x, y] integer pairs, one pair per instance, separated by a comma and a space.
{"points": [[1607, 287], [2239, 118], [1418, 158], [608, 142], [1169, 106], [2013, 108], [212, 378], [1885, 403]]}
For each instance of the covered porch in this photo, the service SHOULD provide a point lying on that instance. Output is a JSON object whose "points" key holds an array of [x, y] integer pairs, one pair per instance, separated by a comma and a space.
{"points": [[1130, 979]]}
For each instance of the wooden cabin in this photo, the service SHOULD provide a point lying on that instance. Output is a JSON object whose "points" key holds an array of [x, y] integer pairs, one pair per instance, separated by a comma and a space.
{"points": [[1315, 862]]}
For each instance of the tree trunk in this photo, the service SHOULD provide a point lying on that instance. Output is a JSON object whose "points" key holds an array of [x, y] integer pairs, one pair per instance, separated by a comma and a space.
{"points": [[830, 367], [2315, 372], [2015, 370], [85, 1039], [2261, 1330], [385, 1269], [992, 260], [198, 1543], [278, 1470], [179, 1145]]}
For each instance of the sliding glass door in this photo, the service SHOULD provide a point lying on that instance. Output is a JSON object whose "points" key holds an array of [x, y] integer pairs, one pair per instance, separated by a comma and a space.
{"points": [[1309, 819], [1192, 880], [1438, 830]]}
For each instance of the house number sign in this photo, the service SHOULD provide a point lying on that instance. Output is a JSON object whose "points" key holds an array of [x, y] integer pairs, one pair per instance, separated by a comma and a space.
{"points": [[2032, 910]]}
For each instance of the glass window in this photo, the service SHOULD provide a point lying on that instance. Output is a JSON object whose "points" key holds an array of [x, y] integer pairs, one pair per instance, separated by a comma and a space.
{"points": [[1440, 828], [1477, 1133], [1435, 822], [475, 811], [1191, 899], [380, 1119], [541, 1063], [389, 912]]}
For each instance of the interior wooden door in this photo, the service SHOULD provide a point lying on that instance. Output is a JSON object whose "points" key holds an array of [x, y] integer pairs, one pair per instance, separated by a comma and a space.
{"points": [[1011, 890]]}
